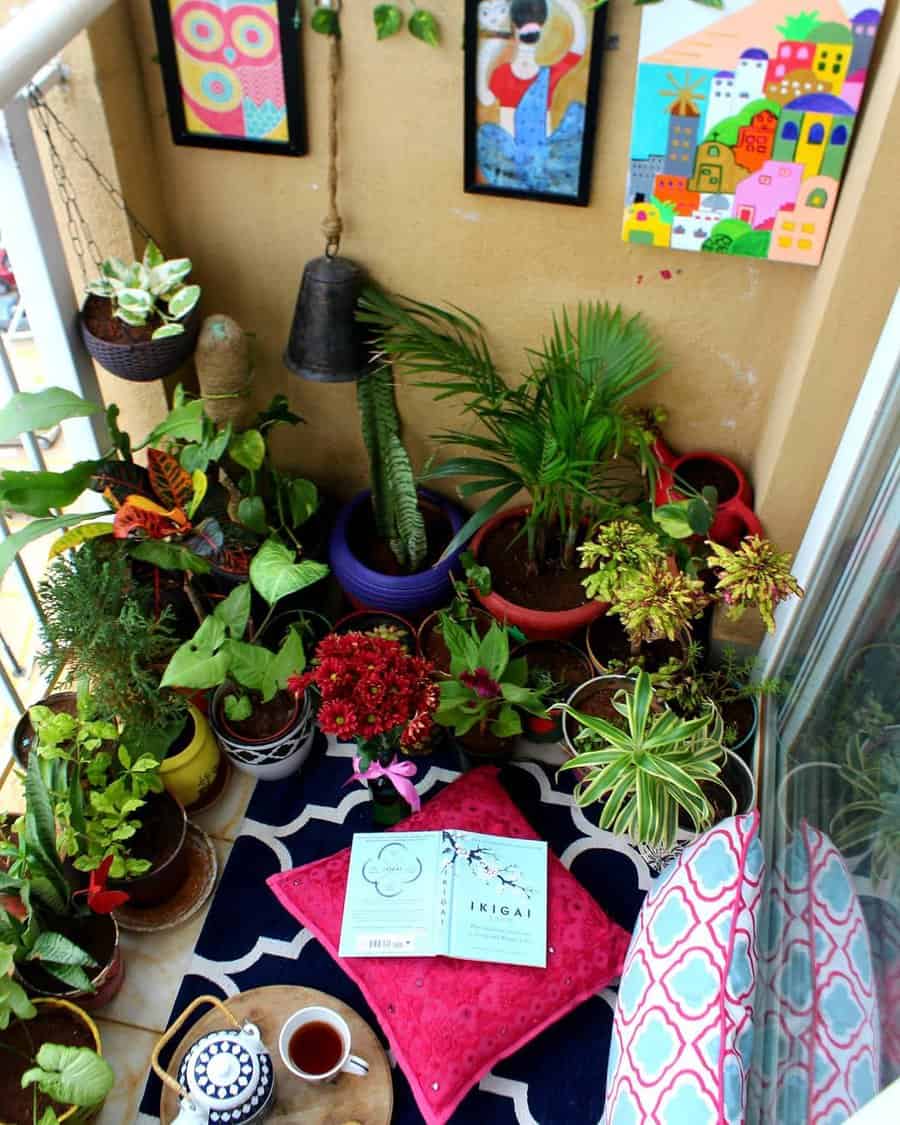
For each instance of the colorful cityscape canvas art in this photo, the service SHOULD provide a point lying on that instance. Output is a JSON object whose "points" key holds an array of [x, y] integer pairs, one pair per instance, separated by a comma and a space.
{"points": [[743, 118]]}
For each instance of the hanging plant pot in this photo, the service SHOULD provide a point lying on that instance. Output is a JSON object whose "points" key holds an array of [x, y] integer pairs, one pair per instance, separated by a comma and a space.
{"points": [[129, 352], [496, 546], [568, 668], [275, 753], [192, 769], [367, 571], [97, 934], [161, 838], [57, 1022]]}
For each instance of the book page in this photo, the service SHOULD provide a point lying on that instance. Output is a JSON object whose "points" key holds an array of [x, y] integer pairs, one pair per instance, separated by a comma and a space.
{"points": [[498, 898], [393, 904]]}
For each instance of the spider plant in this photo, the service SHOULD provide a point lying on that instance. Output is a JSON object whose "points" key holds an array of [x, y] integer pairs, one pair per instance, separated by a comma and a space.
{"points": [[872, 817], [563, 434], [650, 771]]}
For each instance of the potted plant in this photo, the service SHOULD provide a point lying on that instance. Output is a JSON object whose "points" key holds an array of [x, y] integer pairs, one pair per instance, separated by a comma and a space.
{"points": [[56, 937], [98, 627], [377, 623], [482, 700], [140, 319], [656, 773], [393, 546], [375, 693], [266, 730], [555, 669], [564, 435], [112, 812], [52, 1068]]}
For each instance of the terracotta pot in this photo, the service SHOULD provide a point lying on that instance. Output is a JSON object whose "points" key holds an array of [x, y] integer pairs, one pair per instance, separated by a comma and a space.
{"points": [[536, 624], [734, 516], [107, 980], [548, 728], [163, 880], [74, 1113]]}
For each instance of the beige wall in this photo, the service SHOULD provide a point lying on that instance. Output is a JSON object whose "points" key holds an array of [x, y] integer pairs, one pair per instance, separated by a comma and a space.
{"points": [[757, 349]]}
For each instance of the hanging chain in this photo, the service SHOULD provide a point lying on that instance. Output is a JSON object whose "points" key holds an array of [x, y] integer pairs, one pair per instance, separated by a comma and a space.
{"points": [[78, 226]]}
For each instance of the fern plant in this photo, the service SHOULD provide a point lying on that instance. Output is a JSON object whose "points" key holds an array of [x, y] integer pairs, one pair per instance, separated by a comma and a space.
{"points": [[394, 498]]}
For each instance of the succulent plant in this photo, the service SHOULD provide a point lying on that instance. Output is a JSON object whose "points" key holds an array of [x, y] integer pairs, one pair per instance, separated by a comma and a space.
{"points": [[153, 287]]}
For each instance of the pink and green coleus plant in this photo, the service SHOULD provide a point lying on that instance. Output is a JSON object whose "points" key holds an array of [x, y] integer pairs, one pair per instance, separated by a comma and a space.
{"points": [[486, 689]]}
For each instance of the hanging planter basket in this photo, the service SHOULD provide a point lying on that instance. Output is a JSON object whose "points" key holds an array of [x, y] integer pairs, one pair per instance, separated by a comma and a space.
{"points": [[139, 361]]}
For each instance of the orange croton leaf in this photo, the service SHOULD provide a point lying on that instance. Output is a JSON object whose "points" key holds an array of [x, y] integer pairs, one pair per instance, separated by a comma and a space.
{"points": [[138, 514], [170, 482]]}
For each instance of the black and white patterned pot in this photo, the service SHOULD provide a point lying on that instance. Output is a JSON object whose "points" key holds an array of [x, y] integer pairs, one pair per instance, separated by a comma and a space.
{"points": [[229, 1076], [272, 759]]}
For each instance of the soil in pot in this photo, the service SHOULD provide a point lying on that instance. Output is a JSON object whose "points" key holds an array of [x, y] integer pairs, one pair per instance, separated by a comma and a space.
{"points": [[431, 639], [597, 700], [609, 643], [267, 721], [738, 716], [699, 473], [51, 1025], [101, 322], [388, 626], [159, 835], [555, 588], [94, 933], [375, 553]]}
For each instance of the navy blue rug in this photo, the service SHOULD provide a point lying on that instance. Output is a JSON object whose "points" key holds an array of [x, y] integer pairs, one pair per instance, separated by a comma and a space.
{"points": [[249, 939]]}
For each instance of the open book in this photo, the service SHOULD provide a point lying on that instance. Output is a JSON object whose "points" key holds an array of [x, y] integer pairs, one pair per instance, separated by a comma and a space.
{"points": [[461, 894]]}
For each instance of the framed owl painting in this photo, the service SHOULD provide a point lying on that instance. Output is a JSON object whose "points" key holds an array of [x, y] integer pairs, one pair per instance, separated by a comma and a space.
{"points": [[231, 70]]}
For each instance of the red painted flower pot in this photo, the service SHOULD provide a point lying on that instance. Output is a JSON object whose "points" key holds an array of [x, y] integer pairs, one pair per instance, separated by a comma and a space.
{"points": [[734, 517], [536, 624]]}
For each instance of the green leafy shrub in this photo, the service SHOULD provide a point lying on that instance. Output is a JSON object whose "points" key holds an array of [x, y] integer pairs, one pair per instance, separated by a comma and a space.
{"points": [[148, 290]]}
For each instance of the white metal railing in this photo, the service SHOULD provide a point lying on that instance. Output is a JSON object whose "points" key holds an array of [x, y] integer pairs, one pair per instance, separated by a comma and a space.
{"points": [[28, 45]]}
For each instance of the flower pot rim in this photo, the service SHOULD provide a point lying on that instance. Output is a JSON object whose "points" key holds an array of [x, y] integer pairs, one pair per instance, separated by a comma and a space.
{"points": [[569, 620], [67, 1005], [25, 717], [132, 345], [340, 624], [403, 581], [130, 880], [184, 756], [717, 458], [97, 980], [217, 715], [569, 702]]}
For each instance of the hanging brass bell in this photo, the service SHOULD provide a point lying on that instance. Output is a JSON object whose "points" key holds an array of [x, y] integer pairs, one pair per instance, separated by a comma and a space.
{"points": [[327, 343]]}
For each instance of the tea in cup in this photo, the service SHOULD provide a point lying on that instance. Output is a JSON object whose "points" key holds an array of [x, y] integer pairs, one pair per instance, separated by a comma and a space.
{"points": [[315, 1045]]}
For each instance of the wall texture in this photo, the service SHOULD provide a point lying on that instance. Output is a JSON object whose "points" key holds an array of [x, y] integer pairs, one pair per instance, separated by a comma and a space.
{"points": [[764, 361]]}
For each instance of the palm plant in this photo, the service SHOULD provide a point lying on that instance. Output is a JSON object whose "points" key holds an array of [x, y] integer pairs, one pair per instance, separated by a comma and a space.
{"points": [[563, 434], [650, 771]]}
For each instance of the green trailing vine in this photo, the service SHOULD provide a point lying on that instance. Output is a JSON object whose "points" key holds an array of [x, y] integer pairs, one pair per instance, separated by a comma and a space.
{"points": [[397, 516], [388, 20]]}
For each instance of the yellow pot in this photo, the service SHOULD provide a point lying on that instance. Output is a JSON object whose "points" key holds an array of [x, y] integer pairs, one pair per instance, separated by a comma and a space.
{"points": [[77, 1113], [191, 773]]}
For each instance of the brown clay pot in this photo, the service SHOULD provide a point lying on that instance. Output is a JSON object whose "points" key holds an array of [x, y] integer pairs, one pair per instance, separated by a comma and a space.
{"points": [[163, 879]]}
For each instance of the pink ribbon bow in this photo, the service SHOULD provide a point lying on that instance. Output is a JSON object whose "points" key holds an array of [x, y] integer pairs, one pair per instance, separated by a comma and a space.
{"points": [[397, 772]]}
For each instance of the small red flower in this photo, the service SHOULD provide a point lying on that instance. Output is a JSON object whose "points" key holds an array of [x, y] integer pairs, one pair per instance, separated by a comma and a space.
{"points": [[99, 899], [337, 717], [481, 683], [297, 685]]}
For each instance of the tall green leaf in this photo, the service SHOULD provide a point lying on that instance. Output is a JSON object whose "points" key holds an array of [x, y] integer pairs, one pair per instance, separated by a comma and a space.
{"points": [[37, 493], [39, 410]]}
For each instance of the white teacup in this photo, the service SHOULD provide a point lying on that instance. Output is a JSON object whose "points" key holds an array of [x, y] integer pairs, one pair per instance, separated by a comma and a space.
{"points": [[351, 1064]]}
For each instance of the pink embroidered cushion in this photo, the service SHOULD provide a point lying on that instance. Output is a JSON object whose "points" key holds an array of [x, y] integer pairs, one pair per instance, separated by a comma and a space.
{"points": [[683, 1026], [449, 1022]]}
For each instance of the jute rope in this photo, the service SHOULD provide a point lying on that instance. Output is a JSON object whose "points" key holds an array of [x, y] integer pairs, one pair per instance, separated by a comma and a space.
{"points": [[331, 224]]}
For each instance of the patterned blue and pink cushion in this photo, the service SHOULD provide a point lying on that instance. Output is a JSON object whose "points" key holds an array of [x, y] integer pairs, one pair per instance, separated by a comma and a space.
{"points": [[683, 1028], [818, 1058]]}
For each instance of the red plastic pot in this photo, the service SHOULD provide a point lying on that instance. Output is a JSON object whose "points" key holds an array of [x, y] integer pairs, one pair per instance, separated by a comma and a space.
{"points": [[734, 517], [536, 624]]}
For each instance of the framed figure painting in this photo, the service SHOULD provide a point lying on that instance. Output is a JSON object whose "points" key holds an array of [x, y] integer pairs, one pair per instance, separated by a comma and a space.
{"points": [[231, 70], [531, 76]]}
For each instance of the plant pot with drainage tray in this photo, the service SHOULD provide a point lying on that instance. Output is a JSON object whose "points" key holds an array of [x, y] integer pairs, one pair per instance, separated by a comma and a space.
{"points": [[264, 728]]}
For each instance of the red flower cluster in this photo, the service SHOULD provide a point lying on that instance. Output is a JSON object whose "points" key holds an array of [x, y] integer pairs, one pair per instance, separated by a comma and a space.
{"points": [[370, 687]]}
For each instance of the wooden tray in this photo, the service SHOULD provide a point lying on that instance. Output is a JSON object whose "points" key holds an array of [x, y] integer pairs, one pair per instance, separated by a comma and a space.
{"points": [[368, 1101]]}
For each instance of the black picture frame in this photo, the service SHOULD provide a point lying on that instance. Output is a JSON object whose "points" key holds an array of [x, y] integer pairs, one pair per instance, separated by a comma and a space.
{"points": [[289, 36], [471, 183]]}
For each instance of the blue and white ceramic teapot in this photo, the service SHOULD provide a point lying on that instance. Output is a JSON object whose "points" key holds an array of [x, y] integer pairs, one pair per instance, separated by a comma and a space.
{"points": [[225, 1078]]}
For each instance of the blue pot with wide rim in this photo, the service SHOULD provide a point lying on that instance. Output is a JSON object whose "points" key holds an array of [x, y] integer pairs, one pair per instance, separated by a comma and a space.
{"points": [[369, 588]]}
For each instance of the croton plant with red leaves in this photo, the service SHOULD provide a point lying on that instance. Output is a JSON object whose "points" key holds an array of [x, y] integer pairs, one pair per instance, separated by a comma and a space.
{"points": [[372, 692]]}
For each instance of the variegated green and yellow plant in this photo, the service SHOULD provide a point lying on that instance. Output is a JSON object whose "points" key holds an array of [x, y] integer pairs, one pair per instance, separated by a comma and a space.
{"points": [[151, 289], [756, 575], [649, 771]]}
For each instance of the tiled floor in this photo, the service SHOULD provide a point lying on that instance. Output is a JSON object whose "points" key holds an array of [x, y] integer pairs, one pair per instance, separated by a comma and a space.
{"points": [[154, 967]]}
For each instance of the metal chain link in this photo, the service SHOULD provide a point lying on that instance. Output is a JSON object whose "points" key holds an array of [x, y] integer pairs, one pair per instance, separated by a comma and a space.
{"points": [[78, 227]]}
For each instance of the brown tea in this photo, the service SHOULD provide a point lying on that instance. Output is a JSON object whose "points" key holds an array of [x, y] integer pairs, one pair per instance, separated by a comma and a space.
{"points": [[316, 1047]]}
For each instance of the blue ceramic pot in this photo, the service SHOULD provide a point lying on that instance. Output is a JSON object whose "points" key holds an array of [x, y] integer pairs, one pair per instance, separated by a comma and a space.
{"points": [[401, 593]]}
